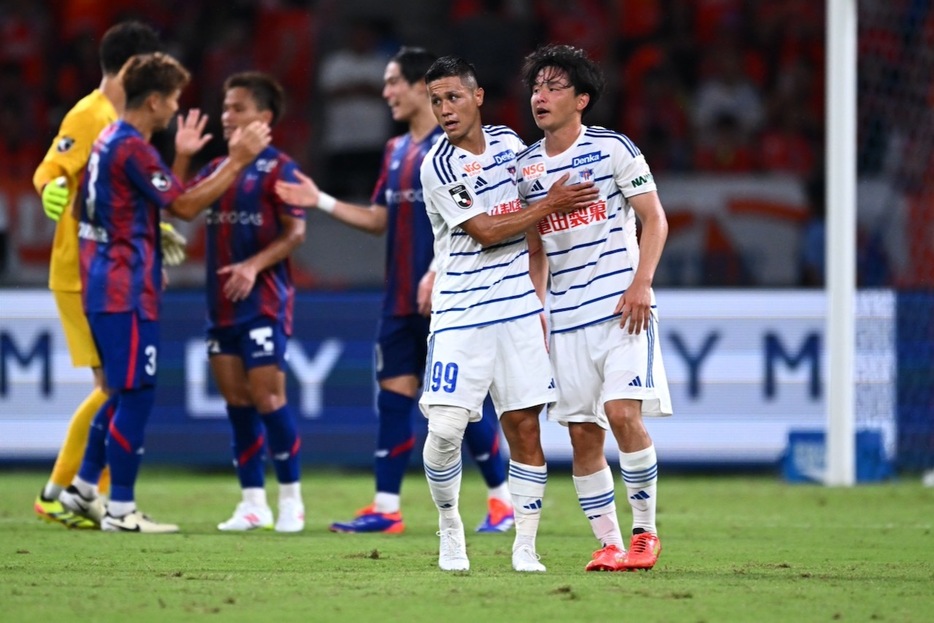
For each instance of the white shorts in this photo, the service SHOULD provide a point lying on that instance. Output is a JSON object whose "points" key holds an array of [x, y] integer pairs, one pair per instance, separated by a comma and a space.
{"points": [[603, 362], [508, 360]]}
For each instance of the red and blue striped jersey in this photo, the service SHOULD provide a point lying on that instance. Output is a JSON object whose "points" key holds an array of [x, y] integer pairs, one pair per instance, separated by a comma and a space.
{"points": [[125, 187], [240, 224], [409, 239]]}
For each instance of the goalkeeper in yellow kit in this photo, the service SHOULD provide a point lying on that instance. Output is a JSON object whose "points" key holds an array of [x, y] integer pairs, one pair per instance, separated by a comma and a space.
{"points": [[57, 180]]}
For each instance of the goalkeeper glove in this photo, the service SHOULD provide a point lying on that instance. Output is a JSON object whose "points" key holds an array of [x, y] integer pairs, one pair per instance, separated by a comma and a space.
{"points": [[55, 197], [173, 245]]}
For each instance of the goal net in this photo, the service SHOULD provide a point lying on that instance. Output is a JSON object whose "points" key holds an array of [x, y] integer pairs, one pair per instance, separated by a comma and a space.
{"points": [[895, 198]]}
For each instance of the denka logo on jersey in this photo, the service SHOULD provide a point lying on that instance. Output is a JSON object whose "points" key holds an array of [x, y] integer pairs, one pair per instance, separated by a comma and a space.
{"points": [[556, 223], [473, 168], [160, 181], [591, 158], [533, 171], [461, 196], [504, 156]]}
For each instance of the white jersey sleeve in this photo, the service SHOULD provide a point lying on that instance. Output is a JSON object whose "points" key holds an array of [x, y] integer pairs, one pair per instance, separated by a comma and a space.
{"points": [[632, 173]]}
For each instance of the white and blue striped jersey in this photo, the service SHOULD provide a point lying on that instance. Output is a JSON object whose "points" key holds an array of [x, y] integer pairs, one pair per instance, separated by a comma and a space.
{"points": [[476, 285], [592, 252]]}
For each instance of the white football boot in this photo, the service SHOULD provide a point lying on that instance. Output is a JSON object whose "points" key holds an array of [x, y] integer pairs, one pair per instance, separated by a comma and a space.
{"points": [[248, 516]]}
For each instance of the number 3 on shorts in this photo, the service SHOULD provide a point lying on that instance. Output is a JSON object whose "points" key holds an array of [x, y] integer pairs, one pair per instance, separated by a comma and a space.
{"points": [[443, 376]]}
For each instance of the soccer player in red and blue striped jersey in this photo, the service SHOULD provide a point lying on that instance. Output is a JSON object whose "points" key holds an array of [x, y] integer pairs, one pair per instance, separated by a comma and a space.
{"points": [[124, 190], [398, 208], [250, 235]]}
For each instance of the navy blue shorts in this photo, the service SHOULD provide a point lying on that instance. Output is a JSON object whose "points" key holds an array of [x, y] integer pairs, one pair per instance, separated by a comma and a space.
{"points": [[129, 348], [402, 346], [260, 342]]}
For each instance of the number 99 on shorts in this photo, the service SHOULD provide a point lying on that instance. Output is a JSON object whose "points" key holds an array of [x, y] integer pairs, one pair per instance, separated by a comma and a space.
{"points": [[443, 377]]}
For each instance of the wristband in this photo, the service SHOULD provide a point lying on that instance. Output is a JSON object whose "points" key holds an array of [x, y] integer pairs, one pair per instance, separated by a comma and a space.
{"points": [[326, 202]]}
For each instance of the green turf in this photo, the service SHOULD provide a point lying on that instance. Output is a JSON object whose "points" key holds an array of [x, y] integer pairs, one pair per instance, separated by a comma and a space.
{"points": [[735, 549]]}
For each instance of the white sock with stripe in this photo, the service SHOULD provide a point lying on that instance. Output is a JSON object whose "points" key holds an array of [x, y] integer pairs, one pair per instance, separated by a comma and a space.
{"points": [[597, 498], [527, 489], [640, 475]]}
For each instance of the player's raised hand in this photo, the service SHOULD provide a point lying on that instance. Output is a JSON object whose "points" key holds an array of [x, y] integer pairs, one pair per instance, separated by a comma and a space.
{"points": [[246, 143], [190, 136], [566, 197], [55, 197], [303, 193]]}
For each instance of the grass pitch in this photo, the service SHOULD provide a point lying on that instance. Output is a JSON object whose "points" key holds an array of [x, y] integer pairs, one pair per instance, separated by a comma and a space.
{"points": [[734, 549]]}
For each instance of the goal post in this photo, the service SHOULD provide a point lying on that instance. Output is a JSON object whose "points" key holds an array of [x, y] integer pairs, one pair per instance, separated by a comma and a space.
{"points": [[840, 156]]}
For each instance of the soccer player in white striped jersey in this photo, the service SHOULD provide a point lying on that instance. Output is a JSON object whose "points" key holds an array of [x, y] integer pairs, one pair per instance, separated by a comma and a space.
{"points": [[486, 335], [603, 318]]}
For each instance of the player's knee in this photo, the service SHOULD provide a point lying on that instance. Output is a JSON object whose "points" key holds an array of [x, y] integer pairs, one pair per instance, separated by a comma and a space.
{"points": [[587, 438], [446, 427], [268, 403]]}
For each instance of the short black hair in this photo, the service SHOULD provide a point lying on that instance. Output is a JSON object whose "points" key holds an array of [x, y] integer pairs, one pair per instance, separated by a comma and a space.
{"points": [[264, 89], [413, 63], [124, 40], [451, 67], [145, 74], [583, 73]]}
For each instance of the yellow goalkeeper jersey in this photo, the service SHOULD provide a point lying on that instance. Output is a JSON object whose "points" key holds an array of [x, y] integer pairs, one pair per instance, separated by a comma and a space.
{"points": [[68, 156]]}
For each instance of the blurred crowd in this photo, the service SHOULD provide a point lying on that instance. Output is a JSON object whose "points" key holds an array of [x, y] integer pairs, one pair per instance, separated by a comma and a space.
{"points": [[714, 86]]}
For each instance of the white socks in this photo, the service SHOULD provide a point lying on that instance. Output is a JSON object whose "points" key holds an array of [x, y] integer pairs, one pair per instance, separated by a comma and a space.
{"points": [[387, 502], [597, 499], [527, 486], [640, 474], [255, 496]]}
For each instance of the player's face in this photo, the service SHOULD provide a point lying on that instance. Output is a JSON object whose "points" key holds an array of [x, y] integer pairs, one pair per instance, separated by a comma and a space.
{"points": [[554, 103], [456, 106], [404, 99], [164, 109], [240, 110]]}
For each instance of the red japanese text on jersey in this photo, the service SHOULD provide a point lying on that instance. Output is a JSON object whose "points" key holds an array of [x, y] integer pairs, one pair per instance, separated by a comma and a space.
{"points": [[555, 223], [506, 208]]}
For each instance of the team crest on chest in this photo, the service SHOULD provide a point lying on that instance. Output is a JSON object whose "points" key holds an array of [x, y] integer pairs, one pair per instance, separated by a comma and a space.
{"points": [[585, 175], [512, 175], [461, 196], [266, 165]]}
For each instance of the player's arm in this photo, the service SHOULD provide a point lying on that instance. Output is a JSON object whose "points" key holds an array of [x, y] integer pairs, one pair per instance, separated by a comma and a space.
{"points": [[635, 303], [489, 229], [242, 276], [538, 263], [243, 148], [56, 177], [305, 193], [425, 286]]}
